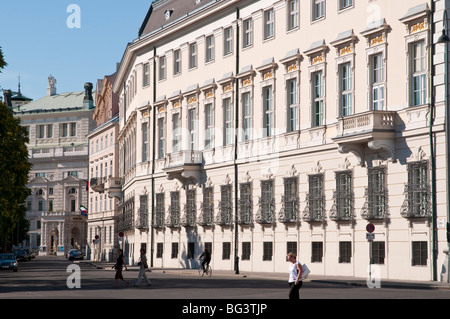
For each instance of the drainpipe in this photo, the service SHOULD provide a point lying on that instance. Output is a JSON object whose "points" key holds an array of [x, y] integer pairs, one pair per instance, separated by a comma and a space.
{"points": [[152, 230], [432, 152], [236, 211]]}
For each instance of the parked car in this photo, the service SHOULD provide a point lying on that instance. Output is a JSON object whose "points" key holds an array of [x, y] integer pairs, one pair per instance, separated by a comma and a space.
{"points": [[21, 255], [75, 254], [9, 261]]}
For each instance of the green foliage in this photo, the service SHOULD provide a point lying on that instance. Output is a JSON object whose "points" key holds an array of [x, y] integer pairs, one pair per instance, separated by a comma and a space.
{"points": [[3, 64], [14, 169]]}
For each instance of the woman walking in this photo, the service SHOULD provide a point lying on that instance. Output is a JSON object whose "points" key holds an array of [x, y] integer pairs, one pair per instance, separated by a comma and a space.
{"points": [[295, 276], [118, 267], [142, 267]]}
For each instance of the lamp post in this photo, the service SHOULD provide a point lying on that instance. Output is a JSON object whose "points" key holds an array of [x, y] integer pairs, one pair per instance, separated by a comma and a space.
{"points": [[444, 39]]}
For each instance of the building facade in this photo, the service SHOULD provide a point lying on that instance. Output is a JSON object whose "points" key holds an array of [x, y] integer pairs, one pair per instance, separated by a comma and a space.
{"points": [[255, 128], [103, 173], [57, 125]]}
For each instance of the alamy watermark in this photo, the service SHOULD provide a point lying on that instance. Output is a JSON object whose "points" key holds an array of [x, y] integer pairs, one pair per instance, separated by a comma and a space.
{"points": [[74, 279], [74, 19]]}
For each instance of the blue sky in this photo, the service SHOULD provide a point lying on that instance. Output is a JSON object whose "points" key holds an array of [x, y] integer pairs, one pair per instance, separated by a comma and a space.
{"points": [[37, 41]]}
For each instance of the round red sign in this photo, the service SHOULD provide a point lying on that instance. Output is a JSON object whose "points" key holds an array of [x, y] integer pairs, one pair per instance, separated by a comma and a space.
{"points": [[370, 228]]}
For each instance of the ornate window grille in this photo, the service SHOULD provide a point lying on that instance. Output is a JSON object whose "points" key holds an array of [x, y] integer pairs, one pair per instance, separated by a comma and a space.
{"points": [[343, 197], [289, 210], [190, 209], [376, 195], [265, 214], [158, 221], [206, 217], [173, 218], [224, 215], [315, 200], [245, 204], [417, 191], [125, 221], [142, 217]]}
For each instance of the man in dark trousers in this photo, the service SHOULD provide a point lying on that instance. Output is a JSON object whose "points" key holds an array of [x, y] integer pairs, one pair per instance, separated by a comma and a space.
{"points": [[206, 258]]}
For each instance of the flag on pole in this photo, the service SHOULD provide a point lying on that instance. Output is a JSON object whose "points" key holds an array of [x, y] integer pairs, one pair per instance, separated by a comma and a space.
{"points": [[84, 210]]}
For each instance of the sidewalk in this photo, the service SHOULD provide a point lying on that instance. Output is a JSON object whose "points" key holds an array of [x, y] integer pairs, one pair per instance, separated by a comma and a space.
{"points": [[338, 280]]}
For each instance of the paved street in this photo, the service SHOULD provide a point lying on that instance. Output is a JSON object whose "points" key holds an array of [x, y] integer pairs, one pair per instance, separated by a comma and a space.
{"points": [[46, 278]]}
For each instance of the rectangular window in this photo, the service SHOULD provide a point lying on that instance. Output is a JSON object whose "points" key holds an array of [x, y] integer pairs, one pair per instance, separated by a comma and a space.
{"points": [[419, 253], [343, 4], [293, 17], [159, 211], [226, 251], [318, 99], [64, 130], [377, 192], [418, 73], [377, 81], [144, 142], [345, 77], [49, 130], [291, 247], [228, 41], [269, 24], [247, 115], [73, 129], [267, 250], [290, 199], [418, 189], [162, 68], [191, 250], [268, 111], [345, 251], [246, 250], [192, 127], [193, 55], [228, 121], [292, 98], [176, 62], [344, 195], [378, 252], [41, 131], [161, 139], [225, 205], [209, 126], [174, 253], [176, 133], [247, 33], [317, 251], [245, 204], [159, 250], [267, 202], [316, 198], [318, 9], [146, 75], [210, 48]]}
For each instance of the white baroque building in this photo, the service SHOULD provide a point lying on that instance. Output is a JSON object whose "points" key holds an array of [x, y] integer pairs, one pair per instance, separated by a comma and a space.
{"points": [[57, 125], [255, 128]]}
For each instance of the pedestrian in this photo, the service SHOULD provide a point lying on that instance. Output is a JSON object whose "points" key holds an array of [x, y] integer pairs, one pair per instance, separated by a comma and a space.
{"points": [[295, 276], [118, 267], [206, 259], [142, 267]]}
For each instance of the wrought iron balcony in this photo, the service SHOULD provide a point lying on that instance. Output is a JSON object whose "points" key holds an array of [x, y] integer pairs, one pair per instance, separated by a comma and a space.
{"points": [[97, 184], [245, 216], [142, 219], [265, 214], [189, 217], [173, 218], [289, 210]]}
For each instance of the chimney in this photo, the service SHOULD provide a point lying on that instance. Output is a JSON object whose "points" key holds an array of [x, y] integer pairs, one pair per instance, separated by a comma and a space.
{"points": [[51, 90]]}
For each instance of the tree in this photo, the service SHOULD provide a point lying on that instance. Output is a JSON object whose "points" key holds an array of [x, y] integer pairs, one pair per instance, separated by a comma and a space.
{"points": [[14, 169], [2, 61]]}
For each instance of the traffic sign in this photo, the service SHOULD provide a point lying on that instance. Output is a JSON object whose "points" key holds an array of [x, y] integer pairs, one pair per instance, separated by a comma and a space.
{"points": [[370, 236], [370, 228]]}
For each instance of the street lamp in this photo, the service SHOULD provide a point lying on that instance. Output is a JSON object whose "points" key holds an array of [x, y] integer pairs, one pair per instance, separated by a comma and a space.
{"points": [[444, 39]]}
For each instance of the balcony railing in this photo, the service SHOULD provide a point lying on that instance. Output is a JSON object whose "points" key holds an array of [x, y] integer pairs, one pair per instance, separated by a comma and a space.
{"points": [[366, 122]]}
